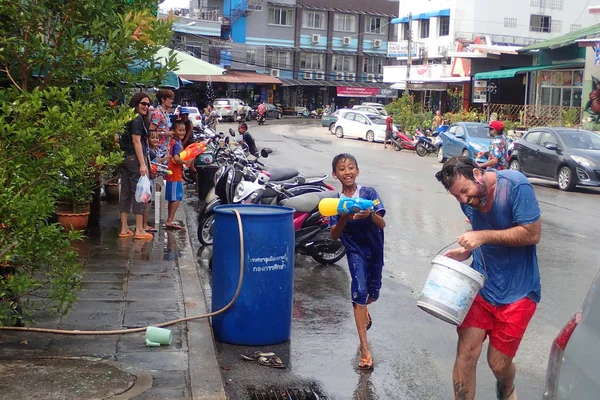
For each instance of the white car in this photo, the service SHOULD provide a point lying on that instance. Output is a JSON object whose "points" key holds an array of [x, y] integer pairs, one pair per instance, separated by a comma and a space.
{"points": [[228, 108], [361, 125], [194, 116], [371, 109]]}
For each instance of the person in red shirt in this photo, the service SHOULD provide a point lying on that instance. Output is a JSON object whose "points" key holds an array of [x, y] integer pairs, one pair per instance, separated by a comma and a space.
{"points": [[389, 129], [261, 108]]}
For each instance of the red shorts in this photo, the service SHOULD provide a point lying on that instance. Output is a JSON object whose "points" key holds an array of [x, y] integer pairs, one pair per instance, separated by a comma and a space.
{"points": [[505, 324]]}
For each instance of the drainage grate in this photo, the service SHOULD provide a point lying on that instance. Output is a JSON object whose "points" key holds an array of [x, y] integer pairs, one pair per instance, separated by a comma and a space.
{"points": [[278, 393]]}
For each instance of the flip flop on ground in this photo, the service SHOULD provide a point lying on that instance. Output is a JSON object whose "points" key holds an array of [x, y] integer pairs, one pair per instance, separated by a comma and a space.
{"points": [[126, 235], [272, 361], [144, 236], [150, 229], [173, 225], [254, 356], [365, 364]]}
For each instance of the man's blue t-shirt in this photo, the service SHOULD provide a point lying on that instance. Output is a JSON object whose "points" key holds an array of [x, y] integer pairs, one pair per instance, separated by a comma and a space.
{"points": [[362, 235], [512, 272]]}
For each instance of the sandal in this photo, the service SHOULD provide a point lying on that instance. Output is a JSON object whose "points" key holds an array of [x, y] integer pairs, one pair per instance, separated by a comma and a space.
{"points": [[254, 356], [145, 236], [174, 225], [126, 235], [369, 321], [499, 394], [151, 229], [365, 365], [272, 361]]}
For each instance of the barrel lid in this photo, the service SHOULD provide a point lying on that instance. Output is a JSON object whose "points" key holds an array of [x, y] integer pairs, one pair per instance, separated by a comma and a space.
{"points": [[254, 209]]}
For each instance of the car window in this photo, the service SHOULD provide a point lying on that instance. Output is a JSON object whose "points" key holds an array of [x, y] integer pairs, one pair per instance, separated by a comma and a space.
{"points": [[532, 137], [336, 114], [360, 118], [349, 116], [452, 129], [377, 120], [547, 137], [580, 139], [459, 131], [222, 102], [193, 110], [479, 131]]}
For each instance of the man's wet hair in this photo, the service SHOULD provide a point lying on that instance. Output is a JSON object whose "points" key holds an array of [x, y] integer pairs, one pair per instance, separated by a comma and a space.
{"points": [[343, 157], [455, 167]]}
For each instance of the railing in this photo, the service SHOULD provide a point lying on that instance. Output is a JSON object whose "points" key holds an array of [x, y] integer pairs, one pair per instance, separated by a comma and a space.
{"points": [[212, 14], [533, 115], [516, 40]]}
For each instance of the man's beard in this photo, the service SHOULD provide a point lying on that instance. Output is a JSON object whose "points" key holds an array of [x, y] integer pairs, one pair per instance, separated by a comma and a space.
{"points": [[482, 195]]}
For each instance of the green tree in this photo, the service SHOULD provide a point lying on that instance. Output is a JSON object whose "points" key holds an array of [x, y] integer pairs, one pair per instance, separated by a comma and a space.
{"points": [[63, 67]]}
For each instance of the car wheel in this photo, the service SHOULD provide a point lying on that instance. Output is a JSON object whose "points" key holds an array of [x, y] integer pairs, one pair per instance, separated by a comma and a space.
{"points": [[339, 132], [515, 165], [566, 180], [370, 136], [465, 153], [332, 128], [440, 155]]}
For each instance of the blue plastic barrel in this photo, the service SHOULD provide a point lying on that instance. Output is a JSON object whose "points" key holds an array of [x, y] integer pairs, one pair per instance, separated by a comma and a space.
{"points": [[262, 314]]}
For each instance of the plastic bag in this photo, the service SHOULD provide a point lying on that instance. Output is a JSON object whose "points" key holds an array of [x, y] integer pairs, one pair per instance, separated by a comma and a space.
{"points": [[142, 190]]}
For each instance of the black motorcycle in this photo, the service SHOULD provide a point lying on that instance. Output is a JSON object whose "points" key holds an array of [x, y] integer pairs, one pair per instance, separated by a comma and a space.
{"points": [[261, 118]]}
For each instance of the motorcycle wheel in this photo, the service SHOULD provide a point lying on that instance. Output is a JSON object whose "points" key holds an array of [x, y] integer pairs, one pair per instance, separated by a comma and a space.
{"points": [[189, 177], [397, 147], [330, 258], [205, 229], [421, 150]]}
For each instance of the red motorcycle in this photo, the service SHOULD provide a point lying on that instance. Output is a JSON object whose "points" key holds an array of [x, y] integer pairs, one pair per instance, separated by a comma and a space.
{"points": [[402, 141]]}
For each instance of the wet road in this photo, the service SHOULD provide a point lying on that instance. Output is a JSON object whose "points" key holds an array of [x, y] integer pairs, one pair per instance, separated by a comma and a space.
{"points": [[413, 351]]}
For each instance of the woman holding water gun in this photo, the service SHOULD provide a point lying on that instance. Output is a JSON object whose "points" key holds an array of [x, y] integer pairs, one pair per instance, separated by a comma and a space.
{"points": [[361, 232]]}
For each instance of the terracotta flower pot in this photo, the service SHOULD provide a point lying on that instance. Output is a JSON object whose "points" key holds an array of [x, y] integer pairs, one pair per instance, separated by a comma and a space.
{"points": [[73, 221], [112, 192]]}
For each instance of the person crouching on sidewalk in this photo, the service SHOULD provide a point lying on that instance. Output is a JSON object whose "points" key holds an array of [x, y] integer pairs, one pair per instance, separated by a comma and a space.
{"points": [[505, 216], [362, 236], [174, 186]]}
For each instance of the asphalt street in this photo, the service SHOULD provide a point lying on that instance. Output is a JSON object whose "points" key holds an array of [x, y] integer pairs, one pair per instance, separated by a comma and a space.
{"points": [[413, 351]]}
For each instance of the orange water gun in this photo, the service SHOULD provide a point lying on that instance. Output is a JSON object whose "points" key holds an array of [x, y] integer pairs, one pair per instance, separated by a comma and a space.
{"points": [[192, 151]]}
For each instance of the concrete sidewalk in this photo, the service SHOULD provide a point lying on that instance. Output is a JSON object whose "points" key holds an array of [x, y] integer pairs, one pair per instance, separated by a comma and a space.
{"points": [[127, 284]]}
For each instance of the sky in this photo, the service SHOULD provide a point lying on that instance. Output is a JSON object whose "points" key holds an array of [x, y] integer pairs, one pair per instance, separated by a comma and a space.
{"points": [[168, 4]]}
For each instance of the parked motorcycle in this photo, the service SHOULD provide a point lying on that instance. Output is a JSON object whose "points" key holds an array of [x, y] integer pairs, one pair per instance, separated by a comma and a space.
{"points": [[402, 141], [425, 146]]}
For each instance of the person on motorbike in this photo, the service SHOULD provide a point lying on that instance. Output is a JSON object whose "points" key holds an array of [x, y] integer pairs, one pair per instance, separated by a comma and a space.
{"points": [[248, 139], [261, 109], [498, 153]]}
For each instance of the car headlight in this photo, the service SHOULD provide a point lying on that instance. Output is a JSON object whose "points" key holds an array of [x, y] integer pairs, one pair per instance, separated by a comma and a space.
{"points": [[583, 161], [477, 146]]}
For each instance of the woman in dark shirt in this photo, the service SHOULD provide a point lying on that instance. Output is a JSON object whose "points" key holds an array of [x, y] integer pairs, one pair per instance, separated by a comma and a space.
{"points": [[134, 143]]}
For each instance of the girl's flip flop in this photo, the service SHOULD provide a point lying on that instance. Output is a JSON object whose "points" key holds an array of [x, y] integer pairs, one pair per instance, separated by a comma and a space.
{"points": [[254, 356], [126, 235], [272, 361]]}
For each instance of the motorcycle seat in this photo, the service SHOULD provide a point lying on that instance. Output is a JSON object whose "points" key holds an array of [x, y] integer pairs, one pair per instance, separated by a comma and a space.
{"points": [[282, 174], [302, 203]]}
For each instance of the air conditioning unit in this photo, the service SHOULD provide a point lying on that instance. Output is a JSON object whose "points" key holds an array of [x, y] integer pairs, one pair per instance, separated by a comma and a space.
{"points": [[315, 38], [351, 76], [275, 73], [339, 76], [319, 75], [346, 40], [307, 75], [377, 43], [370, 77]]}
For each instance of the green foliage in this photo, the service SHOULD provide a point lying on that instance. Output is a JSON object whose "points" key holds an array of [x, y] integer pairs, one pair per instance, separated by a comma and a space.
{"points": [[406, 112], [570, 117], [472, 115], [62, 65]]}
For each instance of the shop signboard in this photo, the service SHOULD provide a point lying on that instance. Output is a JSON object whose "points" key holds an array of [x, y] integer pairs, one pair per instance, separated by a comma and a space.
{"points": [[480, 92], [400, 49], [347, 91]]}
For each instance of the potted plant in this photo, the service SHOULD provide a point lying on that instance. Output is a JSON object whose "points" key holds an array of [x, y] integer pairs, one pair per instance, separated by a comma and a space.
{"points": [[73, 202], [111, 183]]}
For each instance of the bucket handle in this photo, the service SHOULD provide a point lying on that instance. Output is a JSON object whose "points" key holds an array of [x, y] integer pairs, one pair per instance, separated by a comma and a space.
{"points": [[480, 252]]}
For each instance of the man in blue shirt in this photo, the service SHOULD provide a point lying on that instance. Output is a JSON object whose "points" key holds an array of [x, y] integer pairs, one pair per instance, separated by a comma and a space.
{"points": [[505, 217], [362, 236]]}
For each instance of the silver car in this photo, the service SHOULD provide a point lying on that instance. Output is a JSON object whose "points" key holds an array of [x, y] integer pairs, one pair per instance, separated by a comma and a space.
{"points": [[228, 108], [575, 356]]}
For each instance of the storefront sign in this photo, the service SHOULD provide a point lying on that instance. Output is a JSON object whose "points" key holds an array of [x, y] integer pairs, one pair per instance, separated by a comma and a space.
{"points": [[480, 92], [387, 93], [345, 91], [400, 49]]}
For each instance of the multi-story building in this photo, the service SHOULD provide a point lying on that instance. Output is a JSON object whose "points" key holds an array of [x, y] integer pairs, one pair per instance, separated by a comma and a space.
{"points": [[321, 52], [441, 29]]}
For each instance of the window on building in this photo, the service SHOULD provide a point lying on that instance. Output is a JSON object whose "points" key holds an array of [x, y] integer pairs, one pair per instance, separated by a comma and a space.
{"points": [[344, 22], [313, 19], [405, 31], [510, 22], [561, 87], [549, 4], [278, 59], [540, 23], [373, 65], [376, 26], [251, 57], [312, 61], [343, 64], [575, 27], [444, 26], [556, 26], [255, 7], [424, 28], [281, 16]]}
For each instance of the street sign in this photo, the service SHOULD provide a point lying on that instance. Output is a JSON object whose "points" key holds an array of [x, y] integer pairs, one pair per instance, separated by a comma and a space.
{"points": [[400, 49]]}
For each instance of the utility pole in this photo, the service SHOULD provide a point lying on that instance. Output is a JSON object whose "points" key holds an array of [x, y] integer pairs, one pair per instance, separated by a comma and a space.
{"points": [[409, 50]]}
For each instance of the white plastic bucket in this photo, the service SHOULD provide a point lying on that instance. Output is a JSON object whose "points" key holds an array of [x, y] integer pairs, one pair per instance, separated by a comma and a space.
{"points": [[450, 290]]}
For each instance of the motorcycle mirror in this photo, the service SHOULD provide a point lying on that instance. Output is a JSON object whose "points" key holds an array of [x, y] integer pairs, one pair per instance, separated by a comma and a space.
{"points": [[231, 132], [227, 140], [265, 152]]}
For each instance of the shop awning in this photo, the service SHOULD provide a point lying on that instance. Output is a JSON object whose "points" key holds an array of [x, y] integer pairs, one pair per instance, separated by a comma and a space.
{"points": [[189, 66], [511, 73], [428, 15], [236, 77]]}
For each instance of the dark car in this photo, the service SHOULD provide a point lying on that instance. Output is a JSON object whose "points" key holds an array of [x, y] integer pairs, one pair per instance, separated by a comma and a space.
{"points": [[272, 111], [566, 155], [329, 120]]}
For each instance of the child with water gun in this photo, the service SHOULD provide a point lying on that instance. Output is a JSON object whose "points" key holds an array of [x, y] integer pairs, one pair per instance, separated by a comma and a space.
{"points": [[158, 167], [359, 224]]}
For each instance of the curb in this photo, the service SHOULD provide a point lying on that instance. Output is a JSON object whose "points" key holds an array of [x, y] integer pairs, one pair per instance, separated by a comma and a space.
{"points": [[206, 381]]}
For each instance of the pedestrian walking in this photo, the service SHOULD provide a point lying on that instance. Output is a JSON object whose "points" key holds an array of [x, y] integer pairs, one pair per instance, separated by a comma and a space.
{"points": [[160, 120], [362, 236], [505, 217], [134, 144], [389, 129]]}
